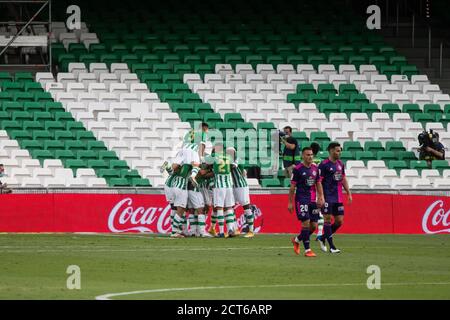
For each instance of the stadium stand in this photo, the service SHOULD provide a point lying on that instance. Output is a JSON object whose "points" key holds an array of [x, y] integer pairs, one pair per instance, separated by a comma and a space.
{"points": [[129, 79]]}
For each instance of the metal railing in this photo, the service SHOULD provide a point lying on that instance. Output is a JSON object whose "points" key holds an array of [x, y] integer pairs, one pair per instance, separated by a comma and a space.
{"points": [[31, 21]]}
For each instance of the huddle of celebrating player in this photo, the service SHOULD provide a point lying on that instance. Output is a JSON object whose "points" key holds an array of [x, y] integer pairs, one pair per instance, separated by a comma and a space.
{"points": [[318, 189], [198, 182]]}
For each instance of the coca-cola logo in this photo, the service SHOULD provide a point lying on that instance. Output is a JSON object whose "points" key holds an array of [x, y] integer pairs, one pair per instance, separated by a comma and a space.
{"points": [[436, 219], [257, 219], [124, 218]]}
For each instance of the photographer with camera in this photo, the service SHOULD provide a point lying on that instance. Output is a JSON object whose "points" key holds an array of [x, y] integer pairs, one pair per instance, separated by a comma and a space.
{"points": [[3, 186], [430, 147], [291, 152]]}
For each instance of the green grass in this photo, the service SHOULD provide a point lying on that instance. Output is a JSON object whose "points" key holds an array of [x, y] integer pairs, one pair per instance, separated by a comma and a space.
{"points": [[33, 266]]}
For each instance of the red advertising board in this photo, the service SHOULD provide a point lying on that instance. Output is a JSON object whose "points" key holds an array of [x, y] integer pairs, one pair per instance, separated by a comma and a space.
{"points": [[369, 213]]}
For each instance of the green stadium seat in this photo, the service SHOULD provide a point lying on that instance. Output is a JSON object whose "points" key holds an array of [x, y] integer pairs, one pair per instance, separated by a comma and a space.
{"points": [[369, 108], [300, 136], [328, 108], [97, 164], [20, 135], [390, 108], [63, 135], [319, 136], [84, 135], [96, 145], [41, 155], [118, 164], [33, 107], [233, 117], [139, 182], [397, 165], [118, 182], [53, 125], [395, 146], [432, 109], [12, 106], [270, 183], [418, 165], [364, 156], [86, 155], [108, 173], [440, 165], [411, 108], [406, 155], [352, 146], [31, 145], [373, 146], [107, 155], [42, 135], [53, 145], [346, 155], [386, 156], [75, 126], [348, 89], [10, 125], [423, 118], [74, 145], [306, 89], [21, 116], [74, 164], [64, 154]]}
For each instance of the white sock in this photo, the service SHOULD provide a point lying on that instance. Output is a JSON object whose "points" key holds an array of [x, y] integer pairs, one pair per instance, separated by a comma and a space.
{"points": [[249, 219], [201, 219], [229, 220], [192, 223], [220, 220]]}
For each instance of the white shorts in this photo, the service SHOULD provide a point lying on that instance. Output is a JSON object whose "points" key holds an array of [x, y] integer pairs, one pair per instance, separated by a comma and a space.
{"points": [[180, 197], [242, 195], [207, 196], [168, 191], [223, 197], [195, 200], [186, 156]]}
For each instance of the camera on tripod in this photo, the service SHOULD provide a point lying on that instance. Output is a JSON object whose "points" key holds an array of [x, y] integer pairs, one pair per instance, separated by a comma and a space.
{"points": [[427, 139]]}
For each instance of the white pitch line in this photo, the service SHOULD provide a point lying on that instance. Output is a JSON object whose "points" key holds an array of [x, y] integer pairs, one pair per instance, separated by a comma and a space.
{"points": [[110, 295], [141, 249], [21, 249]]}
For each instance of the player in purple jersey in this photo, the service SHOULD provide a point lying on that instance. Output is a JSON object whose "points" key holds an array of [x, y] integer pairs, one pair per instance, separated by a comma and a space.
{"points": [[332, 176], [305, 184]]}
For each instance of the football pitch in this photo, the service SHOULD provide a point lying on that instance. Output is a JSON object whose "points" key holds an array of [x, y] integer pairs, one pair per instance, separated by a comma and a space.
{"points": [[126, 266]]}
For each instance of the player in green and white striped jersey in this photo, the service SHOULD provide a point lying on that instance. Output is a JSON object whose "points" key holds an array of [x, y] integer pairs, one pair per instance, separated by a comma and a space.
{"points": [[196, 204], [241, 191], [206, 187], [192, 150], [168, 190], [180, 198], [223, 190]]}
